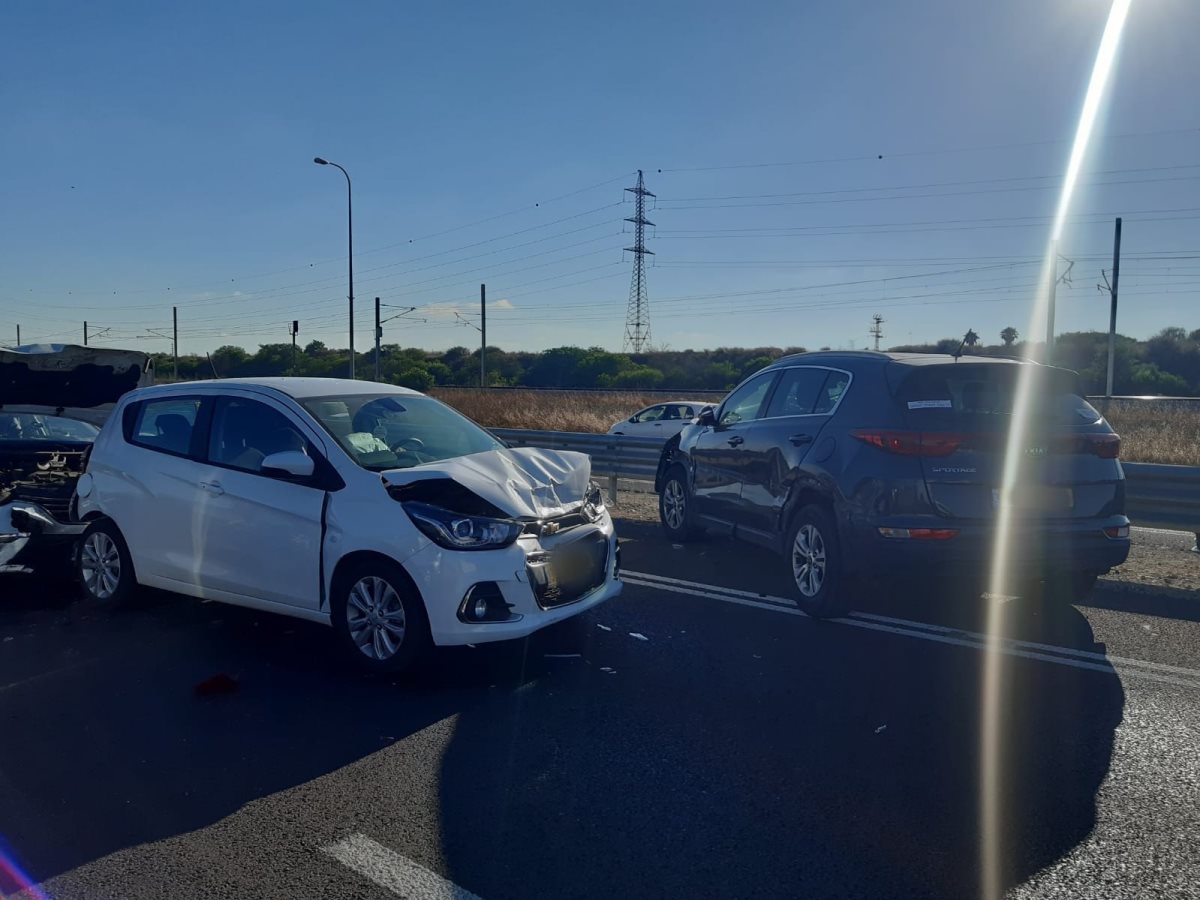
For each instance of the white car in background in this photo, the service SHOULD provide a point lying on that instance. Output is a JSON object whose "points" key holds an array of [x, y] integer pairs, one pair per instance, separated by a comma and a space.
{"points": [[368, 507], [662, 420]]}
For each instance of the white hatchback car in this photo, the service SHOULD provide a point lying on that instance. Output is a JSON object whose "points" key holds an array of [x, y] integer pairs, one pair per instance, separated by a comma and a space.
{"points": [[663, 420], [369, 507]]}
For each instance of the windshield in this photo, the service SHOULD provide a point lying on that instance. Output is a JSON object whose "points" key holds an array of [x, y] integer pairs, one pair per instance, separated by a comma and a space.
{"points": [[30, 427], [390, 431]]}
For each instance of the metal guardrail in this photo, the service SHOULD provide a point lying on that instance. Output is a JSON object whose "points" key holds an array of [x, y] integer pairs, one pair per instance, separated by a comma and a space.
{"points": [[1156, 496], [613, 455]]}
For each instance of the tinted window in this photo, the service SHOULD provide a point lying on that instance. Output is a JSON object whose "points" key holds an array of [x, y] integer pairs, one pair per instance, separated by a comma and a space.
{"points": [[166, 424], [391, 431], [950, 396], [797, 392], [653, 414], [29, 427], [745, 402], [831, 392], [245, 432]]}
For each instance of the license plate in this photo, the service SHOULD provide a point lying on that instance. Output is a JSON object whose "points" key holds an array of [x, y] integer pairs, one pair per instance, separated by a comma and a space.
{"points": [[1038, 499]]}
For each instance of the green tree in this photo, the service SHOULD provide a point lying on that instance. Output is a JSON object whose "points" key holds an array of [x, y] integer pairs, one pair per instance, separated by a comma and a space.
{"points": [[1009, 336], [228, 360], [415, 377]]}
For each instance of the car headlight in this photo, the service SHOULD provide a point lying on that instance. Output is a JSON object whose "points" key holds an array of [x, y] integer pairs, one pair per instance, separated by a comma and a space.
{"points": [[456, 531], [593, 502]]}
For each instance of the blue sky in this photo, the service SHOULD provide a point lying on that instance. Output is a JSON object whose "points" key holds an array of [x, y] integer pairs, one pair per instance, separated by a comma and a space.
{"points": [[160, 154]]}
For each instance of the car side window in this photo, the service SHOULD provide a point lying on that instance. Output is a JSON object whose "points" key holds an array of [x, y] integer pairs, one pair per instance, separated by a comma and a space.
{"points": [[797, 394], [165, 425], [245, 432], [687, 412], [831, 392], [653, 414], [746, 402]]}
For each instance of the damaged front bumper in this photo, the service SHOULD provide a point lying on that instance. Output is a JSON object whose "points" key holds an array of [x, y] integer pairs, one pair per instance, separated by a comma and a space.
{"points": [[497, 595], [31, 539]]}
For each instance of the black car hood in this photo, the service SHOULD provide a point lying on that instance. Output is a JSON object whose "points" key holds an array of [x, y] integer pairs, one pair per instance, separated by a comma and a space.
{"points": [[63, 375]]}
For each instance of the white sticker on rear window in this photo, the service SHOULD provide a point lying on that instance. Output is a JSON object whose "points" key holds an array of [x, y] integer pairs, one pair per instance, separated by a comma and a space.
{"points": [[930, 404]]}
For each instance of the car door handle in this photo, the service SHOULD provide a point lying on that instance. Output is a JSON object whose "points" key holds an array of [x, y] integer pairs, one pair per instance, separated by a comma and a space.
{"points": [[799, 440], [736, 440], [212, 487]]}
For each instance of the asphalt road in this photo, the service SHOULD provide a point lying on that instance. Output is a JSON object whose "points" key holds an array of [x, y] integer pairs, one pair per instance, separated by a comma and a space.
{"points": [[705, 741]]}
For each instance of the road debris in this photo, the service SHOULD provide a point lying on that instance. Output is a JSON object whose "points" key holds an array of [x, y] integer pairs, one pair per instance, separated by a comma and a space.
{"points": [[880, 729]]}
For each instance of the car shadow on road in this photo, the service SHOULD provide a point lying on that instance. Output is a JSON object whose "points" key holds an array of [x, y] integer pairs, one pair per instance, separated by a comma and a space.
{"points": [[773, 756], [107, 744], [1164, 604]]}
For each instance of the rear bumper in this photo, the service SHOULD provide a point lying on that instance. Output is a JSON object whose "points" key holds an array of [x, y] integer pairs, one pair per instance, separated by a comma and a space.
{"points": [[32, 539], [1035, 548]]}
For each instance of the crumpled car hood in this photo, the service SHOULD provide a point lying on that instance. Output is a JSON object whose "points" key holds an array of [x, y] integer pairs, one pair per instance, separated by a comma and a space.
{"points": [[525, 482], [66, 376]]}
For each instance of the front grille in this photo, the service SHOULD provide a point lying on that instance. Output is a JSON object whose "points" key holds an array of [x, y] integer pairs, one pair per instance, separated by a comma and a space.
{"points": [[51, 498], [569, 571], [555, 525]]}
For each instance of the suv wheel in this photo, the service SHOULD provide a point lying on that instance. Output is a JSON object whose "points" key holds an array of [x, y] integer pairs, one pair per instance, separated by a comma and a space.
{"points": [[105, 567], [675, 506], [814, 561], [379, 617]]}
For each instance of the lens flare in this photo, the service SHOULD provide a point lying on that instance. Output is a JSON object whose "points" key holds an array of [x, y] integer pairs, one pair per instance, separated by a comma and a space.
{"points": [[992, 776]]}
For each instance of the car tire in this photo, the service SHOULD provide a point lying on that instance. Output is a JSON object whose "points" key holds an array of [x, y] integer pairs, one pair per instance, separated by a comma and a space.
{"points": [[104, 566], [675, 506], [814, 563], [379, 616]]}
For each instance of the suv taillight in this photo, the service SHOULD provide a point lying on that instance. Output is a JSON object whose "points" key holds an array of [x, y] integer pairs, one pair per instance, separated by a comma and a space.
{"points": [[1105, 446], [912, 443]]}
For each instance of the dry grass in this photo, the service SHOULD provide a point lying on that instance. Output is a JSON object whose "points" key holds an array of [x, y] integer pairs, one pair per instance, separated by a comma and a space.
{"points": [[593, 412], [1159, 432]]}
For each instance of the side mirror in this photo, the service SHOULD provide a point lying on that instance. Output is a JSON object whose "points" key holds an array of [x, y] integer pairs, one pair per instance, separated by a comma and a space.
{"points": [[289, 462], [633, 420], [708, 416]]}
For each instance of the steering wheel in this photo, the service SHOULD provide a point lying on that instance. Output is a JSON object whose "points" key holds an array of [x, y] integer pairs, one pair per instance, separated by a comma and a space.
{"points": [[413, 443]]}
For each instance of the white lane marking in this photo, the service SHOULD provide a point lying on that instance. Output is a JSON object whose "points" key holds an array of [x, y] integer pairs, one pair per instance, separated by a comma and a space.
{"points": [[394, 872], [940, 629], [1064, 656]]}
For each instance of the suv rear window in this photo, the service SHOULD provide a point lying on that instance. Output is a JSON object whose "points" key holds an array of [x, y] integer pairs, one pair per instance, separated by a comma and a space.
{"points": [[957, 395]]}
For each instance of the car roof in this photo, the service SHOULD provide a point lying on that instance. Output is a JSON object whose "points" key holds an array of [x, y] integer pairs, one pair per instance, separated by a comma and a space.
{"points": [[832, 357], [297, 388]]}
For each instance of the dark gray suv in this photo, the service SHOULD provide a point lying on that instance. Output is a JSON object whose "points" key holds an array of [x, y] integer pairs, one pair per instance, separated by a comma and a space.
{"points": [[886, 464]]}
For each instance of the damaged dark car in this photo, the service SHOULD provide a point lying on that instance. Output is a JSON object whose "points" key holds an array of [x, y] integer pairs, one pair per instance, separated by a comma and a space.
{"points": [[53, 400]]}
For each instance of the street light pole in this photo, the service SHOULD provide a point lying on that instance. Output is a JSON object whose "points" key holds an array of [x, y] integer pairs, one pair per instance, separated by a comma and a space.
{"points": [[350, 241]]}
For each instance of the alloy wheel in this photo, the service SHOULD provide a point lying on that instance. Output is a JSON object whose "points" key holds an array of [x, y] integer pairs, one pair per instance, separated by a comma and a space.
{"points": [[808, 560], [674, 504], [100, 565], [375, 618]]}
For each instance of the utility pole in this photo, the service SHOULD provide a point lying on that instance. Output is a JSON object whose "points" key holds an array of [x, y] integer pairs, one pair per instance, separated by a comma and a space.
{"points": [[18, 334], [378, 337], [295, 329], [637, 317], [876, 329], [175, 339], [1112, 309], [482, 335], [1055, 278], [85, 334]]}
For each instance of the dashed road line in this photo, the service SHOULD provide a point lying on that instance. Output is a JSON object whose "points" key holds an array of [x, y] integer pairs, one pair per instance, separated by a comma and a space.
{"points": [[394, 872], [1051, 653]]}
